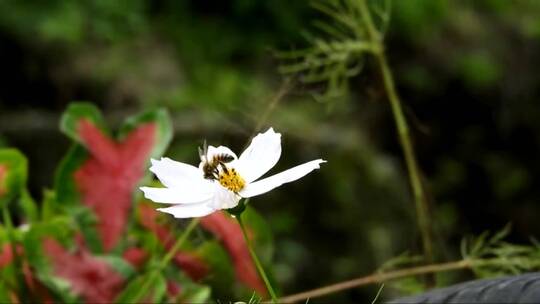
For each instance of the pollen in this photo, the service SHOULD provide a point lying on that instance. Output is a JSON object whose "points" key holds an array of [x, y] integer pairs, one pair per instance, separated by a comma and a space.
{"points": [[231, 180]]}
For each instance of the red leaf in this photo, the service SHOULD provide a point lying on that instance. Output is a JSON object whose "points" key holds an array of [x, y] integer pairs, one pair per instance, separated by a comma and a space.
{"points": [[3, 175], [224, 228], [92, 279], [173, 289], [107, 179], [135, 256], [148, 217], [192, 265], [6, 257], [189, 262]]}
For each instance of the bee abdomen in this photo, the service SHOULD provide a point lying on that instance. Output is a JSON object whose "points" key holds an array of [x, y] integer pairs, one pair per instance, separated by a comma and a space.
{"points": [[223, 158]]}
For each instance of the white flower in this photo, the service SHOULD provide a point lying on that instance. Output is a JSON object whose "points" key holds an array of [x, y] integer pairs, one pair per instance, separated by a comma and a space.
{"points": [[222, 178]]}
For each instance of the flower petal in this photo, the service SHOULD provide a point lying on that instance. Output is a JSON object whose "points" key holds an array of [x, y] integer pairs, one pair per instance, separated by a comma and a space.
{"points": [[175, 174], [212, 151], [224, 198], [269, 183], [177, 196], [261, 155], [189, 210]]}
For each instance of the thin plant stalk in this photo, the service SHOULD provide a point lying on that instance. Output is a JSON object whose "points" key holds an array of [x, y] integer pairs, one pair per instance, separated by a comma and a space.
{"points": [[283, 90], [272, 104], [257, 261], [167, 258], [152, 276], [8, 225], [377, 278], [403, 133]]}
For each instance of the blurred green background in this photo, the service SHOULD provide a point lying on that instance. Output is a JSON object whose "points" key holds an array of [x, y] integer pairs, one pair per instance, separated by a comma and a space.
{"points": [[467, 72]]}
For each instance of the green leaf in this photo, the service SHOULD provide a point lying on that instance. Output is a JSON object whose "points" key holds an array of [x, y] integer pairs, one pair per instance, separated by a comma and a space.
{"points": [[500, 235], [119, 265], [263, 241], [60, 228], [221, 275], [195, 294], [164, 128], [13, 174], [69, 123], [8, 277], [159, 289], [60, 288], [64, 184], [32, 244], [86, 220], [4, 294], [138, 288], [401, 261], [28, 207], [410, 285], [48, 205], [263, 238], [131, 289], [478, 244]]}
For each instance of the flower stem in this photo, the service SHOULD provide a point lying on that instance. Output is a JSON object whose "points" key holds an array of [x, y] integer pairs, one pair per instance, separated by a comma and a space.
{"points": [[8, 225], [170, 254], [403, 133], [153, 275], [257, 262]]}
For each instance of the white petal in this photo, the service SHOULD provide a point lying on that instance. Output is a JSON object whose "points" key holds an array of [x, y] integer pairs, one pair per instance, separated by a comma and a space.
{"points": [[175, 174], [178, 196], [261, 155], [269, 183], [224, 198], [219, 150], [191, 210]]}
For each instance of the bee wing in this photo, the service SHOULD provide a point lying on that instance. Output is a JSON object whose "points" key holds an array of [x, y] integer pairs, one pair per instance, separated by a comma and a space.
{"points": [[203, 152]]}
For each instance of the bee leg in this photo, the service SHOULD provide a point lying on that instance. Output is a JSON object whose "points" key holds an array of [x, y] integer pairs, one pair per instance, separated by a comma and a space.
{"points": [[224, 167], [215, 173]]}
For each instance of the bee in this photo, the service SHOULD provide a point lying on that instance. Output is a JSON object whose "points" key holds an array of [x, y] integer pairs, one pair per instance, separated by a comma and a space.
{"points": [[211, 166]]}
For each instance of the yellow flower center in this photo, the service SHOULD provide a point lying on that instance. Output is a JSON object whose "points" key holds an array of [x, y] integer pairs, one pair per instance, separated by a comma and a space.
{"points": [[231, 180]]}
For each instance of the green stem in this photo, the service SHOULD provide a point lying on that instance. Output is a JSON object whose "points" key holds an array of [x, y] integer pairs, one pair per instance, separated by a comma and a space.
{"points": [[8, 224], [144, 288], [194, 222], [166, 259], [257, 262], [403, 133]]}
